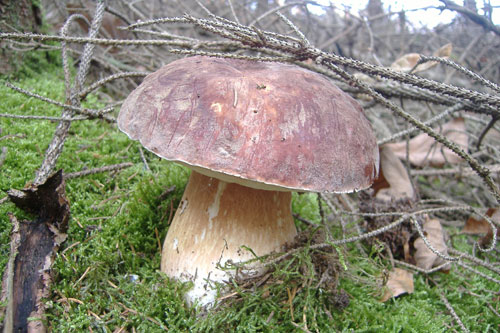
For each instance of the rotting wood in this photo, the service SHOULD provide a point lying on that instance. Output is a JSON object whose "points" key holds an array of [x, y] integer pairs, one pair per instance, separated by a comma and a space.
{"points": [[27, 279]]}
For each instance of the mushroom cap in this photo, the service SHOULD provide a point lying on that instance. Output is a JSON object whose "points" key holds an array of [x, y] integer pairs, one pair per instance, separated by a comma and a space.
{"points": [[264, 125]]}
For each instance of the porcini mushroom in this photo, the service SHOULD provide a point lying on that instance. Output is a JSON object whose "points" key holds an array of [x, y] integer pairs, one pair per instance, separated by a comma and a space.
{"points": [[251, 132]]}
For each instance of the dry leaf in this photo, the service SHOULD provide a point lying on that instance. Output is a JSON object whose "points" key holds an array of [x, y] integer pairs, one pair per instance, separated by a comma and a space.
{"points": [[407, 62], [474, 227], [444, 51], [424, 257], [425, 151], [400, 282], [393, 181]]}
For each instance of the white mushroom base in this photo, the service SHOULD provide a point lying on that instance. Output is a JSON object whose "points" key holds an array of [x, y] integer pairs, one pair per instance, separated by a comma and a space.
{"points": [[214, 223]]}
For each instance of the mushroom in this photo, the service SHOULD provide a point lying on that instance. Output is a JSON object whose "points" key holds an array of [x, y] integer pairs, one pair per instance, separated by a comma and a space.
{"points": [[251, 132]]}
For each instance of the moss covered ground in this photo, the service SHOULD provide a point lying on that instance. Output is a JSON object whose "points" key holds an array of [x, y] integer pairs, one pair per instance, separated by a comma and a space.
{"points": [[106, 275]]}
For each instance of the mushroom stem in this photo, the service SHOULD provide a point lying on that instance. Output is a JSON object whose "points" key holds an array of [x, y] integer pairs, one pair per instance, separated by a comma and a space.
{"points": [[212, 223]]}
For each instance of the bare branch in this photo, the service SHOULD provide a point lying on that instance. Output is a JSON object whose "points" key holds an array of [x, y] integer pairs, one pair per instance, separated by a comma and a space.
{"points": [[474, 17]]}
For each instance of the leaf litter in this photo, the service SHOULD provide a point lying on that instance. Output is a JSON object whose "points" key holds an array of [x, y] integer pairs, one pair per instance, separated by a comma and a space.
{"points": [[424, 150], [400, 282]]}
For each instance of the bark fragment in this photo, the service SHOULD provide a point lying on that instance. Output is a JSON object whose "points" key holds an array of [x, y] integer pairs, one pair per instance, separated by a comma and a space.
{"points": [[27, 279]]}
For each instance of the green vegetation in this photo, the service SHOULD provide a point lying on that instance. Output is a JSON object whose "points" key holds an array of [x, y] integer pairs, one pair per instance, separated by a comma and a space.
{"points": [[106, 276]]}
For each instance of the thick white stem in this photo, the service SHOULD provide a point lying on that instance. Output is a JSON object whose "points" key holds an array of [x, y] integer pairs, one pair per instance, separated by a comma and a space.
{"points": [[214, 220]]}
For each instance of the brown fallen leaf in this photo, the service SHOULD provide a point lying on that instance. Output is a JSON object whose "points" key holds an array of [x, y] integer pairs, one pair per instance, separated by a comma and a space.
{"points": [[424, 257], [393, 181], [408, 61], [424, 150], [476, 227], [486, 240], [400, 282], [444, 51], [392, 192]]}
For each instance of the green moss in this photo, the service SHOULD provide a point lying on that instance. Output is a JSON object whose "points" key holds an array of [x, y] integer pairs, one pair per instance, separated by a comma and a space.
{"points": [[306, 205], [106, 276]]}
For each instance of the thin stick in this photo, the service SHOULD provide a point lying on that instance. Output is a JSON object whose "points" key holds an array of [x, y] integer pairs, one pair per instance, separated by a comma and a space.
{"points": [[475, 260], [466, 71], [460, 171], [299, 33], [475, 271], [17, 116], [233, 12], [82, 94], [3, 155], [108, 168], [143, 158], [430, 121], [450, 308], [89, 112], [56, 145]]}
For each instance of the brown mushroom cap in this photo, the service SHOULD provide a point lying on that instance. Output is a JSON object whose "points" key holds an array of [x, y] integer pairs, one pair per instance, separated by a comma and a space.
{"points": [[272, 123]]}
